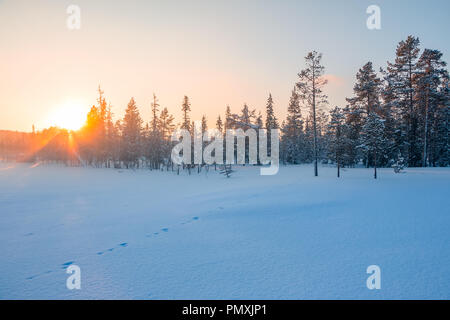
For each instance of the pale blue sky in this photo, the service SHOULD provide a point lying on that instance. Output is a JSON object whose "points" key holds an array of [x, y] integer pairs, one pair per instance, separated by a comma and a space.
{"points": [[216, 52]]}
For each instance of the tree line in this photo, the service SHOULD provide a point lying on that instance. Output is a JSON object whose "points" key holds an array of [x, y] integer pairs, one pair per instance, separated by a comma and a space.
{"points": [[399, 114]]}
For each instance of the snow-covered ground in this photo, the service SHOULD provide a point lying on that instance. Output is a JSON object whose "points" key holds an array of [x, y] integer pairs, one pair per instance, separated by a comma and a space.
{"points": [[156, 235]]}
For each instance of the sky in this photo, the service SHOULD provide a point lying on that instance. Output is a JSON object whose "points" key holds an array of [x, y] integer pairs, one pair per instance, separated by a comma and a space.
{"points": [[216, 52]]}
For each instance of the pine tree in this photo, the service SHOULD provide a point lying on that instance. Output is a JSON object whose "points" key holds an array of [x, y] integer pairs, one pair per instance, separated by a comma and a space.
{"points": [[337, 139], [310, 87], [245, 119], [118, 144], [155, 110], [428, 83], [400, 75], [204, 124], [90, 137], [372, 138], [228, 119], [366, 100], [186, 108], [154, 145], [292, 132], [111, 137], [393, 132], [167, 126], [221, 129], [271, 119], [366, 90], [259, 124], [204, 128], [219, 124], [131, 135], [259, 121], [101, 128]]}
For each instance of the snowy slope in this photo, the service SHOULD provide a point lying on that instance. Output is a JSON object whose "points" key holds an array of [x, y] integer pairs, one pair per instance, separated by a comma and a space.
{"points": [[156, 235]]}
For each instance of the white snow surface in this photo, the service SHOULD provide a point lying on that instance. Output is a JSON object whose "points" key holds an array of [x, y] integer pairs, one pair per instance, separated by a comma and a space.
{"points": [[155, 235]]}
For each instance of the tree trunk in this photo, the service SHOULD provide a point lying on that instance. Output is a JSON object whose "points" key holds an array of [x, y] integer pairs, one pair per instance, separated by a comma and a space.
{"points": [[338, 169], [338, 166], [424, 160], [375, 164], [412, 117], [314, 124]]}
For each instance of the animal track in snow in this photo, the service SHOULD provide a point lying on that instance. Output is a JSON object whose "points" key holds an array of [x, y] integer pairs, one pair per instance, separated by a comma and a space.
{"points": [[100, 253]]}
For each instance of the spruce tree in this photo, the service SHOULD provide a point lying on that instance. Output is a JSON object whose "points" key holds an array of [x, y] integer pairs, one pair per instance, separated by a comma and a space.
{"points": [[292, 142], [131, 135], [366, 100], [337, 138], [186, 108], [373, 138]]}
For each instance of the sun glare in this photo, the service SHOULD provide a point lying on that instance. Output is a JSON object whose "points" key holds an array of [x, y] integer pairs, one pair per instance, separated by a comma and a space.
{"points": [[70, 115]]}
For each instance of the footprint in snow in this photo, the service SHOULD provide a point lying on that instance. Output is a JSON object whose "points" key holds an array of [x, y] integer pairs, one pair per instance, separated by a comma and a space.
{"points": [[193, 219], [165, 229], [38, 275], [124, 244], [65, 265]]}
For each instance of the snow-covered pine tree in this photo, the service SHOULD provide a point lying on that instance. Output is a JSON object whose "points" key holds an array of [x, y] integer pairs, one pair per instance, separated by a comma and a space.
{"points": [[220, 128], [118, 145], [400, 75], [219, 124], [310, 85], [186, 125], [154, 147], [292, 132], [366, 90], [204, 126], [228, 119], [111, 138], [337, 140], [260, 125], [428, 83], [372, 138], [440, 129], [389, 113], [101, 151], [245, 119], [186, 108], [131, 135], [271, 121], [166, 124], [366, 100]]}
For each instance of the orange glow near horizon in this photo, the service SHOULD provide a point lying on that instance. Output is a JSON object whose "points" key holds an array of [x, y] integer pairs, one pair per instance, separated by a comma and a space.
{"points": [[71, 115]]}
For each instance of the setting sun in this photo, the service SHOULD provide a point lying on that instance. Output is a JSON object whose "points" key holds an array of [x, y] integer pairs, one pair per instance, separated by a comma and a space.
{"points": [[71, 115]]}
